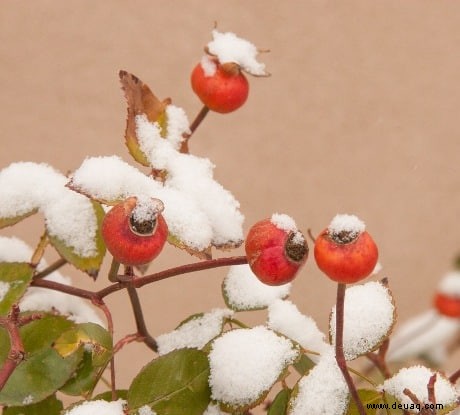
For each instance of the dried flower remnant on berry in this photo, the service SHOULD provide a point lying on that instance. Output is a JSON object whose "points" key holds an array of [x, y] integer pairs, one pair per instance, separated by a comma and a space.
{"points": [[296, 247], [143, 219], [229, 48], [345, 228]]}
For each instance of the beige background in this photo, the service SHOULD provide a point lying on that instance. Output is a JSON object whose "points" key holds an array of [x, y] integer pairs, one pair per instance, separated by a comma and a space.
{"points": [[361, 115]]}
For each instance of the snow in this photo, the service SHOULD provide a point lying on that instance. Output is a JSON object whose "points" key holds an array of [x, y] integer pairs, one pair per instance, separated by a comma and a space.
{"points": [[13, 249], [450, 284], [425, 334], [245, 363], [323, 391], [146, 209], [111, 179], [213, 410], [193, 176], [177, 125], [285, 318], [416, 378], [69, 216], [369, 316], [208, 65], [346, 223], [145, 410], [4, 288], [99, 407], [195, 333], [283, 222], [243, 290], [228, 47]]}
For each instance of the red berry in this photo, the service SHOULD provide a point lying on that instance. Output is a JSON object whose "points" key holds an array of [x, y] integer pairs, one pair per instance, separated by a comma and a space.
{"points": [[447, 305], [223, 89], [135, 231], [346, 255], [275, 254]]}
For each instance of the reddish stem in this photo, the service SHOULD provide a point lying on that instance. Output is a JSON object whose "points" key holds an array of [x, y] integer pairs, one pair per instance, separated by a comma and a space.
{"points": [[16, 353], [53, 267], [193, 126], [454, 377], [339, 354]]}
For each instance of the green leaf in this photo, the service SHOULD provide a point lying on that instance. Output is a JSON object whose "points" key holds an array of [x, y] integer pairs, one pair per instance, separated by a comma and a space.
{"points": [[43, 371], [97, 344], [107, 395], [38, 377], [49, 406], [90, 265], [279, 405], [303, 365], [4, 222], [14, 280], [368, 397], [171, 383]]}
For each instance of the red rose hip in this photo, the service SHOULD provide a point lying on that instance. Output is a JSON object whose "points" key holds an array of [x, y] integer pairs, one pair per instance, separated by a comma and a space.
{"points": [[222, 88], [344, 251], [135, 231], [276, 250]]}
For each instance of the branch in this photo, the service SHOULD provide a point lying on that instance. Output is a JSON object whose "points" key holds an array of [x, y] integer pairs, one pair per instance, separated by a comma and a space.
{"points": [[339, 354], [16, 353], [53, 267]]}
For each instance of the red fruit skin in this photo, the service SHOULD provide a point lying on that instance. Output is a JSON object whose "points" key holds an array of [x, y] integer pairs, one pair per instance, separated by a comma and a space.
{"points": [[447, 305], [346, 263], [127, 247], [223, 92], [265, 250]]}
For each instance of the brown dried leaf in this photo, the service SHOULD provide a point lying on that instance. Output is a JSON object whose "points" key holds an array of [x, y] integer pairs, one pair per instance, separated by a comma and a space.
{"points": [[140, 100]]}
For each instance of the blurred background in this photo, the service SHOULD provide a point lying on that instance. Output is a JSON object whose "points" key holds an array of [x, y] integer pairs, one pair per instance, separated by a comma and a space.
{"points": [[360, 115]]}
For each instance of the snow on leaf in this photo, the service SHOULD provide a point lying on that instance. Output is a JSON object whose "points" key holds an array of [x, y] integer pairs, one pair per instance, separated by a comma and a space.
{"points": [[228, 47], [13, 249], [245, 363], [243, 291], [98, 407], [26, 187], [323, 391], [140, 100], [285, 318], [368, 318], [416, 378], [110, 180], [195, 333]]}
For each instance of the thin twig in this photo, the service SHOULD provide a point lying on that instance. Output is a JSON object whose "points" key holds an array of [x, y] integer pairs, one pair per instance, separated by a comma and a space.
{"points": [[16, 353], [339, 354], [193, 126], [430, 388], [454, 376], [53, 267]]}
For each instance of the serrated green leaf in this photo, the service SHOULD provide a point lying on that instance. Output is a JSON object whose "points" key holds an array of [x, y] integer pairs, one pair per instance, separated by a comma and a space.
{"points": [[176, 242], [171, 383], [303, 365], [107, 396], [49, 406], [368, 397], [90, 265], [190, 318], [4, 222], [14, 280], [279, 405]]}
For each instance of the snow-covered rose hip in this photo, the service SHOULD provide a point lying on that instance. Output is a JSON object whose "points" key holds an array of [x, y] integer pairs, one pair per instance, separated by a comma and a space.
{"points": [[344, 251], [276, 249], [221, 87], [447, 298], [135, 231]]}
